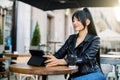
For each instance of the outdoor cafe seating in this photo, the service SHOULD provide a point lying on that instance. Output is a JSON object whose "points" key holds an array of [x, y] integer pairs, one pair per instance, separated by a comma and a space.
{"points": [[3, 72]]}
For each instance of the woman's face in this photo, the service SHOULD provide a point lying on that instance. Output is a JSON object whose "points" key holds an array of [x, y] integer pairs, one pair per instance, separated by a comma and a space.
{"points": [[77, 24]]}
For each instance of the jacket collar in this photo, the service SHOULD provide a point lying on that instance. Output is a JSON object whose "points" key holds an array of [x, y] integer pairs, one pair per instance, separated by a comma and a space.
{"points": [[87, 38]]}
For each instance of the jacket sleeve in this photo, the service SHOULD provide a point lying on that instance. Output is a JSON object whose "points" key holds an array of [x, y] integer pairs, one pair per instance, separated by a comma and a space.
{"points": [[90, 52], [61, 53]]}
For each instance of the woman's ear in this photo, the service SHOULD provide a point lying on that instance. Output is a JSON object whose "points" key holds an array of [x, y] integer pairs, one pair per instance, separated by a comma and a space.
{"points": [[87, 22]]}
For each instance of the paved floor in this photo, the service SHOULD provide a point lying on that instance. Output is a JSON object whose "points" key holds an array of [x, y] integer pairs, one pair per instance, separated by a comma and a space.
{"points": [[52, 77]]}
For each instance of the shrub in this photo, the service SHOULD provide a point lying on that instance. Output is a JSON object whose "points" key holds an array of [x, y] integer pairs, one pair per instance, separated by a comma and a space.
{"points": [[36, 39], [1, 37]]}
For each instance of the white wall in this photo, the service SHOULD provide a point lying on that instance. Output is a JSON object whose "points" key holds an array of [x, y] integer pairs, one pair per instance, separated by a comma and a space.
{"points": [[69, 26], [23, 27], [59, 25], [27, 18]]}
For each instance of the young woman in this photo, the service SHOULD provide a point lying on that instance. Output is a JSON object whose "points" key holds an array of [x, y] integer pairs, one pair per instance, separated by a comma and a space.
{"points": [[84, 45]]}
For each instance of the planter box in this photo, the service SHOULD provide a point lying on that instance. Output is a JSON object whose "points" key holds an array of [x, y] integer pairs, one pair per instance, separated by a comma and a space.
{"points": [[1, 48], [34, 48]]}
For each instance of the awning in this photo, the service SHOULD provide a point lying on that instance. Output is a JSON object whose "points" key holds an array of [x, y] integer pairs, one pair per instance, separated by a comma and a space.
{"points": [[109, 35], [63, 4]]}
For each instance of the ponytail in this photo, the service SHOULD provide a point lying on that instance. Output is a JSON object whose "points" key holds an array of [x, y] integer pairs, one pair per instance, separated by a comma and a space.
{"points": [[91, 26]]}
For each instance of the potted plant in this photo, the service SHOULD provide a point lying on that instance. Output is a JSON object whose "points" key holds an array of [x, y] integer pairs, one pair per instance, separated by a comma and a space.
{"points": [[36, 39], [1, 42]]}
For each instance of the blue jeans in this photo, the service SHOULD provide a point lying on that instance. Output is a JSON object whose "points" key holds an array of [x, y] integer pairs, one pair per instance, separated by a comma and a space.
{"points": [[92, 76]]}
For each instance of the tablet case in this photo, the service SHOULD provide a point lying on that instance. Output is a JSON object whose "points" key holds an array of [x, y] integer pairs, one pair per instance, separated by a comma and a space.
{"points": [[36, 58]]}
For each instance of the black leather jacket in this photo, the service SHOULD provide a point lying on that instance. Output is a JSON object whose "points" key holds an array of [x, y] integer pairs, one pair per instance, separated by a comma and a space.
{"points": [[86, 53]]}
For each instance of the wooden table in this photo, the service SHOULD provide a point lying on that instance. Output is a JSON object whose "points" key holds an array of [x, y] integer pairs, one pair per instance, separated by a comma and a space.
{"points": [[17, 55], [27, 69], [3, 59]]}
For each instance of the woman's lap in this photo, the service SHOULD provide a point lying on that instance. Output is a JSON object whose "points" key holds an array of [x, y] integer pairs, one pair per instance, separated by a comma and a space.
{"points": [[93, 76]]}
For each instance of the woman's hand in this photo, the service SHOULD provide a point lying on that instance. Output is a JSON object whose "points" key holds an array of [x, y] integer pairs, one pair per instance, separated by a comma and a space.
{"points": [[53, 61]]}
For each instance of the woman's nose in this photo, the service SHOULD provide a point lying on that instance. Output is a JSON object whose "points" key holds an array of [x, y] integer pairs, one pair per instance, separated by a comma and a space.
{"points": [[74, 23]]}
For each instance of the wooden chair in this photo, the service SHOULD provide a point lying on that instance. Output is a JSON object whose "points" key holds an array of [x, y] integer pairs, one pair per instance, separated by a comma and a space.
{"points": [[6, 72]]}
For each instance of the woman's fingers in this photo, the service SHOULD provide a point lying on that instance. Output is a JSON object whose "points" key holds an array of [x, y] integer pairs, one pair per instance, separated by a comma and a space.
{"points": [[51, 64], [49, 60], [48, 56]]}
